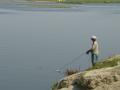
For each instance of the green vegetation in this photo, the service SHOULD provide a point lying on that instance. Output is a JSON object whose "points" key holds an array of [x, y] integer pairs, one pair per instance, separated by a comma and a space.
{"points": [[43, 0], [59, 85], [44, 4], [84, 83], [82, 1], [63, 84], [109, 62], [51, 6], [66, 3], [91, 1], [54, 85]]}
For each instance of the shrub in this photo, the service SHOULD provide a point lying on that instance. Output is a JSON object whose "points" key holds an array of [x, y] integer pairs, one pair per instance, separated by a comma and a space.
{"points": [[71, 71]]}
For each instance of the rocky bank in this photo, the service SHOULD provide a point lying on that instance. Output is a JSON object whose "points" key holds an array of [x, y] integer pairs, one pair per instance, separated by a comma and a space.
{"points": [[105, 75]]}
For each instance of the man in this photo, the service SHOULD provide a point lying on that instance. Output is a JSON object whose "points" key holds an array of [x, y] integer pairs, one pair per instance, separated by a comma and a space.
{"points": [[94, 50]]}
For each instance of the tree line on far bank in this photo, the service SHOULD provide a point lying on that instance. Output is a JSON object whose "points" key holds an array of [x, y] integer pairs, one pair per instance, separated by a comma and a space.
{"points": [[81, 1]]}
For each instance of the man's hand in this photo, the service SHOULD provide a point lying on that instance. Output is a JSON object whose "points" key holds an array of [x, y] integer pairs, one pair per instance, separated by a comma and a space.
{"points": [[88, 51]]}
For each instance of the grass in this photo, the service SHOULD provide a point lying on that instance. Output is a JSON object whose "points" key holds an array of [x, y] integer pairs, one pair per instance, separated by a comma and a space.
{"points": [[82, 1], [43, 0], [62, 83], [91, 1], [68, 3], [44, 4], [54, 86], [109, 62], [51, 6], [69, 72]]}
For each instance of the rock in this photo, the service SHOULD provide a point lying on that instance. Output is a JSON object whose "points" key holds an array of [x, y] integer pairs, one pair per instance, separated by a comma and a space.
{"points": [[105, 77]]}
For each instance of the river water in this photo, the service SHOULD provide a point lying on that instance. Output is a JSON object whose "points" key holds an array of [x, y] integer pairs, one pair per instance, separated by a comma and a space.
{"points": [[34, 42]]}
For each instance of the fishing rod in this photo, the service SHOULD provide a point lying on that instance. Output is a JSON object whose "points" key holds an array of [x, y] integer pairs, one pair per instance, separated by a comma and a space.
{"points": [[69, 63]]}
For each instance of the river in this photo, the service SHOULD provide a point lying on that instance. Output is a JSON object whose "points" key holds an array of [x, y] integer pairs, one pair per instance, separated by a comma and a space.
{"points": [[34, 42]]}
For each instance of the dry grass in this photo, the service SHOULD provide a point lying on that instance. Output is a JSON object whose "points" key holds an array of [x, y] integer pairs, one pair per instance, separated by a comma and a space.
{"points": [[71, 71]]}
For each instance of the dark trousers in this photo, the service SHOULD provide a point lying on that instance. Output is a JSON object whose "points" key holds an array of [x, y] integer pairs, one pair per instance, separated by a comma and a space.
{"points": [[94, 58]]}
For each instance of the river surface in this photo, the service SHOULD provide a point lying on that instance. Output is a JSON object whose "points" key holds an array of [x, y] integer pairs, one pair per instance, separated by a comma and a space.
{"points": [[34, 42]]}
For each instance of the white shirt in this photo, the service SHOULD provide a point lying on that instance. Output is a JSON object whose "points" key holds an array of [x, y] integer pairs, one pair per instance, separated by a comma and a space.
{"points": [[95, 48]]}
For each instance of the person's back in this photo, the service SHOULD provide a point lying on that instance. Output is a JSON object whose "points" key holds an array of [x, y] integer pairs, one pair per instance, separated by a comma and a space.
{"points": [[95, 47]]}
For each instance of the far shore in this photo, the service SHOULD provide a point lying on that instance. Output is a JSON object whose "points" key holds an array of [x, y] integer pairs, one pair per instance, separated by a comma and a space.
{"points": [[79, 1], [58, 3]]}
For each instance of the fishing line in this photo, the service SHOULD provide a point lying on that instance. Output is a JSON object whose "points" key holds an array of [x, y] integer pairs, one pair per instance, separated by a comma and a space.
{"points": [[69, 63]]}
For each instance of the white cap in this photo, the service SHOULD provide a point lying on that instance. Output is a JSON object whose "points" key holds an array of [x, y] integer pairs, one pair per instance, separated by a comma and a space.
{"points": [[94, 37]]}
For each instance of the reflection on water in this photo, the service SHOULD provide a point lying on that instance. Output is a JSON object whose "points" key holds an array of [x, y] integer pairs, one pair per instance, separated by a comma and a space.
{"points": [[34, 42]]}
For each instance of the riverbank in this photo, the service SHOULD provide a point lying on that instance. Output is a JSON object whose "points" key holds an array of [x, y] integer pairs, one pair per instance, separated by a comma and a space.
{"points": [[81, 1], [67, 3], [54, 3], [104, 75], [91, 1]]}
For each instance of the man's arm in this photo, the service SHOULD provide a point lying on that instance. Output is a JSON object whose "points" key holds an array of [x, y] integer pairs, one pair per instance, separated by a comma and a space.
{"points": [[92, 48], [88, 51]]}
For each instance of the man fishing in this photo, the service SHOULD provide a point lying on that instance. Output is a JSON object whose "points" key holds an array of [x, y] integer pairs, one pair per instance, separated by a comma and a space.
{"points": [[94, 50]]}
